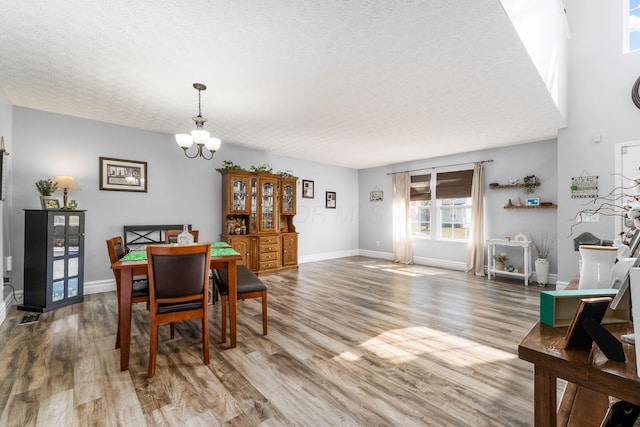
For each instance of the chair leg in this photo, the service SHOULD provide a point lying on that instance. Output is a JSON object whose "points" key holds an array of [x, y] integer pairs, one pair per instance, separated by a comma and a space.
{"points": [[172, 328], [153, 348], [264, 313], [223, 323], [205, 333]]}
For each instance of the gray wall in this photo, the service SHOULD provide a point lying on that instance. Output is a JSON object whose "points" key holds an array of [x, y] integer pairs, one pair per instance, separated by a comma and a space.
{"points": [[518, 161], [6, 130], [599, 104], [179, 190]]}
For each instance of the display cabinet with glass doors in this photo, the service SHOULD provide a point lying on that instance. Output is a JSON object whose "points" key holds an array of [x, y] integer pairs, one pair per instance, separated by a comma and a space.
{"points": [[53, 259], [258, 209]]}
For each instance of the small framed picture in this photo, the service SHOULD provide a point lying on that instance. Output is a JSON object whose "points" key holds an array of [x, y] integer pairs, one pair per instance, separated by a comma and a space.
{"points": [[123, 175], [375, 196], [533, 201], [307, 189], [330, 200], [50, 203]]}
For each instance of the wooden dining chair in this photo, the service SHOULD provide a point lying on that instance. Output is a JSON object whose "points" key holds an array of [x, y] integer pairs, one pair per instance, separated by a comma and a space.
{"points": [[178, 290], [171, 236], [248, 286], [140, 292]]}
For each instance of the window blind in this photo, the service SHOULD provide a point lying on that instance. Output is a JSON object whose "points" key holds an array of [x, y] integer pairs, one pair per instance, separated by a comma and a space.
{"points": [[454, 185]]}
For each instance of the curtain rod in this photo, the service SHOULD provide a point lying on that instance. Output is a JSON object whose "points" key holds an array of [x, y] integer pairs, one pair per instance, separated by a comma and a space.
{"points": [[444, 166]]}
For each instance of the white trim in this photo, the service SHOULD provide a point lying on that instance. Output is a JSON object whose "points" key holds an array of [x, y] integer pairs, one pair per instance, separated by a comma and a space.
{"points": [[5, 306], [327, 255], [375, 254], [99, 286]]}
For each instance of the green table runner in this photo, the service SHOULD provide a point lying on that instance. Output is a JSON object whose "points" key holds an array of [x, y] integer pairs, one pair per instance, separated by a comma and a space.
{"points": [[215, 252]]}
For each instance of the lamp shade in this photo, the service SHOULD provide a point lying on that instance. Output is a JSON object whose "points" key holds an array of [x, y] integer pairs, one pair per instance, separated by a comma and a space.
{"points": [[184, 140], [66, 182], [200, 137], [213, 144]]}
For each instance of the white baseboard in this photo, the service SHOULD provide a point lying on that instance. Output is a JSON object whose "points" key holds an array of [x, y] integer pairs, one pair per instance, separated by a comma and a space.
{"points": [[5, 306], [429, 262], [327, 255], [99, 286]]}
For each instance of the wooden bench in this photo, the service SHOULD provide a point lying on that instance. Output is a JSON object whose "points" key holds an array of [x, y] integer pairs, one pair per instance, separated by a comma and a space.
{"points": [[136, 237]]}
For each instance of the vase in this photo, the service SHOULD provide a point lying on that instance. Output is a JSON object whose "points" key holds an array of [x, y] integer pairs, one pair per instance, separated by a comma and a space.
{"points": [[185, 238], [542, 271], [499, 265], [597, 263]]}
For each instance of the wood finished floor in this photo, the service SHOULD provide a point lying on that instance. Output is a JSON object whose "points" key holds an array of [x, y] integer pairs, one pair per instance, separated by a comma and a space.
{"points": [[353, 341]]}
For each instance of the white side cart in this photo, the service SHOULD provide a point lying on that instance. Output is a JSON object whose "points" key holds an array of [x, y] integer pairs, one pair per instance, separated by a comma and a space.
{"points": [[524, 244]]}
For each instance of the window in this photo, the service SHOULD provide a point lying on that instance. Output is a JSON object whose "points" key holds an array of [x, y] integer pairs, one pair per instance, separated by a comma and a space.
{"points": [[455, 218], [632, 28], [420, 205], [452, 217]]}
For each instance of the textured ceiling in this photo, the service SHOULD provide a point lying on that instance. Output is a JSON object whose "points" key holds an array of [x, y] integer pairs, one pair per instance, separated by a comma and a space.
{"points": [[357, 83]]}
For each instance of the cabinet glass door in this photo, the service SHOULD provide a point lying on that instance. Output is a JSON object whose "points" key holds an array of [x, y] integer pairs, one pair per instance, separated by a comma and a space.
{"points": [[267, 206], [239, 202], [288, 199], [254, 205]]}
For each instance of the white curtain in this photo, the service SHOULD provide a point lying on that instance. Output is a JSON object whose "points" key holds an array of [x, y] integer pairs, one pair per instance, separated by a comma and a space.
{"points": [[402, 249], [475, 252]]}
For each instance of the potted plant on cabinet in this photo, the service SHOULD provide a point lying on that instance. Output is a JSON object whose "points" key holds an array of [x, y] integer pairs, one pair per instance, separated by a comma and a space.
{"points": [[500, 260], [542, 244], [46, 187]]}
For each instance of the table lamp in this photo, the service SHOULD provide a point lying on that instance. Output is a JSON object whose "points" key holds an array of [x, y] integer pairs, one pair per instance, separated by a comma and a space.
{"points": [[66, 183]]}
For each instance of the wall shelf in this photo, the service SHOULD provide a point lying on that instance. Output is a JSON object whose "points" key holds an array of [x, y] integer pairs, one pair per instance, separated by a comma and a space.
{"points": [[494, 187], [553, 206]]}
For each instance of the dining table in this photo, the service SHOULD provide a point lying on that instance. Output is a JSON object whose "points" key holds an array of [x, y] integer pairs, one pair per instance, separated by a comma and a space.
{"points": [[135, 263]]}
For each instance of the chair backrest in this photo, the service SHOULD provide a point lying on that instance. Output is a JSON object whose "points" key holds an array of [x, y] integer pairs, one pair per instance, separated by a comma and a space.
{"points": [[115, 247], [171, 236], [178, 272]]}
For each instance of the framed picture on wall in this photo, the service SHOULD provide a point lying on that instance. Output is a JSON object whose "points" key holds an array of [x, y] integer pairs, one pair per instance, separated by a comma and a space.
{"points": [[330, 202], [307, 189], [123, 175]]}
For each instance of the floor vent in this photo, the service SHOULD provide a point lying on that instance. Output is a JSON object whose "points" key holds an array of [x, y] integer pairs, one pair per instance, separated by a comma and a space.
{"points": [[29, 318]]}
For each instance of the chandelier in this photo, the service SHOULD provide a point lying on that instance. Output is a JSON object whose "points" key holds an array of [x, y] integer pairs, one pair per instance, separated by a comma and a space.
{"points": [[206, 146]]}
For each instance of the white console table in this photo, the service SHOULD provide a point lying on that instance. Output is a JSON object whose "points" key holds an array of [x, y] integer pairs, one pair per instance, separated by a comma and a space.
{"points": [[525, 245]]}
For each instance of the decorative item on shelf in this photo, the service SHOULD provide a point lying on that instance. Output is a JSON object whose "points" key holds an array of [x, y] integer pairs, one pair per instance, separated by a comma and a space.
{"points": [[204, 143], [509, 205], [185, 238], [521, 269], [73, 205], [66, 183], [262, 168], [286, 174], [228, 164], [494, 185], [510, 268], [46, 187], [513, 180], [520, 238], [533, 201], [518, 202], [507, 239], [530, 184], [500, 260], [542, 244]]}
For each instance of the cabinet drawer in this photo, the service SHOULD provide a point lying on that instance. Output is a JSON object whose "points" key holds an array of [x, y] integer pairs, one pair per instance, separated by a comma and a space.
{"points": [[268, 265], [269, 256], [269, 248], [271, 240]]}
